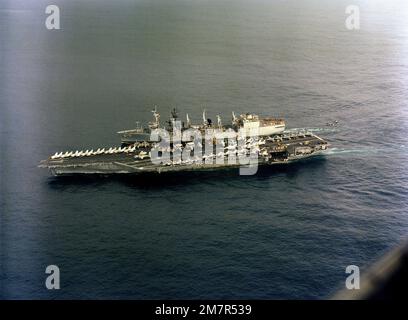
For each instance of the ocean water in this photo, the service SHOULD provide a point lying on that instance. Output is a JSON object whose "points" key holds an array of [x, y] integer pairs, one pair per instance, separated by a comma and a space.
{"points": [[287, 232]]}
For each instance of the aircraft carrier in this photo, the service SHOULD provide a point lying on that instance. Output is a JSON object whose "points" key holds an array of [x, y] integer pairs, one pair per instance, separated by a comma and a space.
{"points": [[274, 145]]}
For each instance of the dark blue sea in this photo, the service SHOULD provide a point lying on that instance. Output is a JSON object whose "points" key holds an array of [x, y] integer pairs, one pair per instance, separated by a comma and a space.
{"points": [[286, 232]]}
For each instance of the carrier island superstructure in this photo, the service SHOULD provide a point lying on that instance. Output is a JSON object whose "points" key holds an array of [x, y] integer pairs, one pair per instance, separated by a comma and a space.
{"points": [[272, 145]]}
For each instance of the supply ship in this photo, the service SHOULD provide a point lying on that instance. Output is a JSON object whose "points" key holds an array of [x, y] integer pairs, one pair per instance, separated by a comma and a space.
{"points": [[138, 153], [267, 126]]}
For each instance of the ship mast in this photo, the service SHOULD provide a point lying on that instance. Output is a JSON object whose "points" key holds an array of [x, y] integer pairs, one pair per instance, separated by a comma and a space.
{"points": [[204, 118], [219, 121], [234, 117], [156, 115], [174, 114]]}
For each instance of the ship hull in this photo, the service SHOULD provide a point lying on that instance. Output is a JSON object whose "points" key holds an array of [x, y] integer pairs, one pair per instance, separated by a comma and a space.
{"points": [[271, 130], [112, 169], [135, 137]]}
